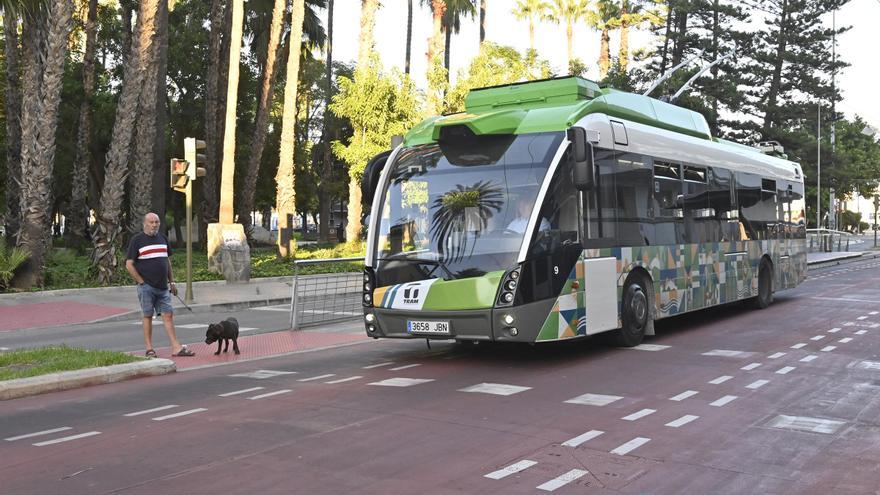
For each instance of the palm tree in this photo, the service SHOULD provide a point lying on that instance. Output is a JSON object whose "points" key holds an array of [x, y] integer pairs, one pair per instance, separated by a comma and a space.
{"points": [[105, 237], [285, 180], [76, 227], [326, 169], [455, 9], [212, 131], [435, 42], [261, 125], [568, 12], [408, 34], [532, 10], [603, 19], [13, 125], [50, 25], [368, 22], [483, 8], [227, 170], [632, 14], [456, 211]]}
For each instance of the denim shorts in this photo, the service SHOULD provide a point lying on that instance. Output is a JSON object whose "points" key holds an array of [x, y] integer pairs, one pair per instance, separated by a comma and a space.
{"points": [[152, 298]]}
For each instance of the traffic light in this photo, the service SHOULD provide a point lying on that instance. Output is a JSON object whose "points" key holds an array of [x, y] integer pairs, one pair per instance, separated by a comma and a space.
{"points": [[191, 147], [179, 174]]}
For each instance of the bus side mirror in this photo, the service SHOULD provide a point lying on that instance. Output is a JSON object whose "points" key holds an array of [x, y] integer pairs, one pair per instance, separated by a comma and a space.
{"points": [[370, 180], [581, 157]]}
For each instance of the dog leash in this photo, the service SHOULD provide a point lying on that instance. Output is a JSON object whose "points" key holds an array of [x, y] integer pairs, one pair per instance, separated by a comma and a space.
{"points": [[184, 304]]}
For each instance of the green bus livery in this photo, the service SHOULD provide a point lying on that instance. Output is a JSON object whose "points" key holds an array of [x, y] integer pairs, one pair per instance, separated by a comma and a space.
{"points": [[556, 209]]}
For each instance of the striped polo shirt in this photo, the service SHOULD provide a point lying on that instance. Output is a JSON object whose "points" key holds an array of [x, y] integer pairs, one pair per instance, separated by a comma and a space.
{"points": [[150, 255]]}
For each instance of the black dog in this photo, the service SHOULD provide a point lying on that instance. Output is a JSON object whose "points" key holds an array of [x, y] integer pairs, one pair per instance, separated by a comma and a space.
{"points": [[223, 331]]}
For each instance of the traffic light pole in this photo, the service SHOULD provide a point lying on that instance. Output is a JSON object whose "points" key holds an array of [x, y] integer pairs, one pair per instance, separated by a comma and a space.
{"points": [[188, 297]]}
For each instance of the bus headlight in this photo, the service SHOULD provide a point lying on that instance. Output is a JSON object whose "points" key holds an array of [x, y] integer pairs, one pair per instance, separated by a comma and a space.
{"points": [[370, 318], [513, 331], [508, 287], [507, 297], [507, 319], [368, 299]]}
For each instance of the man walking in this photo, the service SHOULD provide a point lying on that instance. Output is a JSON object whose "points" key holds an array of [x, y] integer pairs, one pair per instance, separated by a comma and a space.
{"points": [[149, 265]]}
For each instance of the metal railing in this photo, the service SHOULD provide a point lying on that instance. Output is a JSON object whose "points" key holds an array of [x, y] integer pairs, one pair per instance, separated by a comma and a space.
{"points": [[827, 240], [325, 297]]}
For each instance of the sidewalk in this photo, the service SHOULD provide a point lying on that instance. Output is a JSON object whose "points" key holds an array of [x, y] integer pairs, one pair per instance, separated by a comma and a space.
{"points": [[70, 306], [835, 257]]}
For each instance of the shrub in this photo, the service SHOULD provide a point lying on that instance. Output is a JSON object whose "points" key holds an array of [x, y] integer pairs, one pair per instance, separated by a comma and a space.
{"points": [[10, 260]]}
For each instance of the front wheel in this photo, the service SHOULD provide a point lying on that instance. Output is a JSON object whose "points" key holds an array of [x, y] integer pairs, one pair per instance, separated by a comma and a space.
{"points": [[636, 314], [765, 285]]}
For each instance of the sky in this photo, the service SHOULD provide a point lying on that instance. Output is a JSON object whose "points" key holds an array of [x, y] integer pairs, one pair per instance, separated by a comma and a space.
{"points": [[855, 46]]}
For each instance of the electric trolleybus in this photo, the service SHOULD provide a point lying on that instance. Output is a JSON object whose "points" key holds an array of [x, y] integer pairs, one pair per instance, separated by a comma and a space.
{"points": [[556, 209]]}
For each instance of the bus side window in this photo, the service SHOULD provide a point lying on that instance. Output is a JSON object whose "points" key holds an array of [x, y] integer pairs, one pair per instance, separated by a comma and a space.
{"points": [[695, 203], [633, 184], [751, 207], [560, 211], [668, 215], [721, 205]]}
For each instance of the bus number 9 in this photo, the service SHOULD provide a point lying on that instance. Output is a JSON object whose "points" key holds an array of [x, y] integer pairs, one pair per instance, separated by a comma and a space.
{"points": [[555, 270]]}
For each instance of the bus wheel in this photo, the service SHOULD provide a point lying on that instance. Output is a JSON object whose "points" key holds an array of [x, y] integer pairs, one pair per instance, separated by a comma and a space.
{"points": [[765, 285], [635, 314]]}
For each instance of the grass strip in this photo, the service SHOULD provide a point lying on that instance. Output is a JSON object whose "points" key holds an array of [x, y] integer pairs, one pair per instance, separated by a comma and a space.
{"points": [[25, 363]]}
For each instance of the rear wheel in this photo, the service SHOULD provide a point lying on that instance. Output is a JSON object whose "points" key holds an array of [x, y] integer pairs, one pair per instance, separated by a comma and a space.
{"points": [[635, 313], [765, 285]]}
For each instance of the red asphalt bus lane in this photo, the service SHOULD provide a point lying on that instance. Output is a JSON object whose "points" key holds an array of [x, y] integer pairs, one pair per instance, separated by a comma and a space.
{"points": [[53, 314]]}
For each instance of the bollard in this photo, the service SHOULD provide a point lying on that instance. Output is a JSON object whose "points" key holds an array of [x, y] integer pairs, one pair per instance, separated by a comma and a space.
{"points": [[293, 308]]}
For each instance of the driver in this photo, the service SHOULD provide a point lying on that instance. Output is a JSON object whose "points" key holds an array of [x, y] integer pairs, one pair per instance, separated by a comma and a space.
{"points": [[524, 211]]}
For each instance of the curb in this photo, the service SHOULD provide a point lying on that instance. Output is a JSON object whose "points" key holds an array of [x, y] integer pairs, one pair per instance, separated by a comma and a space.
{"points": [[200, 308], [56, 382], [843, 259]]}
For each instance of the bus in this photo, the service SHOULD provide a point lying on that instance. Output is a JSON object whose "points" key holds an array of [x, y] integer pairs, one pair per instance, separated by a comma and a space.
{"points": [[556, 209]]}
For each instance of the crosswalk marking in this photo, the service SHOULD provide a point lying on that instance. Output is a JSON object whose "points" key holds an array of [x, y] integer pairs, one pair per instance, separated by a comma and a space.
{"points": [[861, 332], [776, 355], [574, 442], [562, 480], [720, 380], [684, 395], [808, 358], [845, 340], [495, 389], [834, 330], [649, 347], [757, 384], [817, 337], [785, 370], [828, 348], [750, 367], [687, 418], [512, 469], [630, 446], [638, 415], [724, 400], [593, 399], [798, 346]]}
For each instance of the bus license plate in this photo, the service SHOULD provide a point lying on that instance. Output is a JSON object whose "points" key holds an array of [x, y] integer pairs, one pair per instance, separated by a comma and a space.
{"points": [[431, 327]]}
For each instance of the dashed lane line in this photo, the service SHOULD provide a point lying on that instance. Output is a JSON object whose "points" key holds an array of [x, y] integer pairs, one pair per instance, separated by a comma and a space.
{"points": [[799, 345], [720, 380], [638, 415], [67, 439], [750, 367], [828, 348], [817, 337], [389, 363], [649, 347], [785, 370], [755, 385], [684, 395], [834, 330], [776, 355], [270, 394], [148, 411], [512, 469], [562, 480], [404, 367], [343, 380], [495, 389], [687, 418], [861, 332], [319, 377], [182, 413], [38, 433], [807, 359], [242, 391], [630, 446], [727, 353], [845, 340], [593, 399], [578, 440], [727, 399], [402, 382]]}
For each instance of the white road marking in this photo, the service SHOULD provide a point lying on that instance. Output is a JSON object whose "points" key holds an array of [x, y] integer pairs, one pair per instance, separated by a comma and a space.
{"points": [[512, 469], [593, 399], [862, 318], [562, 480], [869, 365], [263, 374], [798, 346], [402, 382], [785, 370], [861, 332], [389, 363], [67, 439], [36, 434], [848, 324], [724, 401], [404, 367], [720, 380], [192, 325], [5, 349], [757, 384], [834, 330], [776, 355], [684, 395], [270, 394], [243, 391], [808, 358], [495, 389], [319, 377], [750, 367], [574, 442], [638, 415], [727, 353], [802, 423], [873, 312], [817, 337], [845, 340], [343, 380], [285, 308], [874, 325], [182, 413], [828, 348], [844, 299], [148, 411], [630, 446], [687, 418], [649, 347]]}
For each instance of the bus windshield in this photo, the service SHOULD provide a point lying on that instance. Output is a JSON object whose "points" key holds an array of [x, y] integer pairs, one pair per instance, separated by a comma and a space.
{"points": [[460, 208]]}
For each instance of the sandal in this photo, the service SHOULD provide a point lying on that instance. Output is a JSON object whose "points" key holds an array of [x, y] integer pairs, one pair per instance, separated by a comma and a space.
{"points": [[151, 353], [184, 352]]}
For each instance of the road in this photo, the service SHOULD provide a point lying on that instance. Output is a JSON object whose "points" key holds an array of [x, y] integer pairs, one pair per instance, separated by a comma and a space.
{"points": [[728, 400]]}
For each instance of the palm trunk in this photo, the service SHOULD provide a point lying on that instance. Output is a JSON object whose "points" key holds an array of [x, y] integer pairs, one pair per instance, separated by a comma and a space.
{"points": [[604, 53], [160, 159], [446, 50], [107, 226], [623, 56], [261, 126], [531, 34], [36, 193], [483, 20], [78, 214], [13, 128], [368, 22], [212, 135], [408, 34], [568, 39], [435, 42], [327, 169], [228, 169], [285, 180], [140, 180]]}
